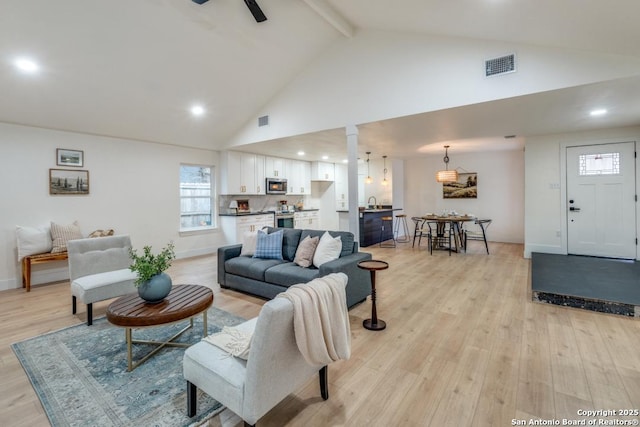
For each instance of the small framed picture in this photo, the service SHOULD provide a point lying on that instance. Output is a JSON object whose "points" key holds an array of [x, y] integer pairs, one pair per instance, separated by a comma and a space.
{"points": [[66, 157], [68, 181], [243, 205]]}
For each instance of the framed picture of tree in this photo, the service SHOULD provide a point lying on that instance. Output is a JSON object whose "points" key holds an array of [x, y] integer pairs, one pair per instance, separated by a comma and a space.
{"points": [[466, 187], [69, 182]]}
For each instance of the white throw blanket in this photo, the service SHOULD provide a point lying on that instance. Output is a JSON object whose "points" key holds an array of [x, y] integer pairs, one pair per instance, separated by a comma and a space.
{"points": [[320, 319]]}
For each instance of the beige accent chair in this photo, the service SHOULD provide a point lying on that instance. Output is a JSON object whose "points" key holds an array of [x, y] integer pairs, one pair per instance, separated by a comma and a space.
{"points": [[275, 367], [99, 270]]}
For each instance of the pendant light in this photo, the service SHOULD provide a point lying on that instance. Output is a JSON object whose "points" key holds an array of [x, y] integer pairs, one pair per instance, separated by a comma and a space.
{"points": [[384, 171], [446, 175], [368, 180]]}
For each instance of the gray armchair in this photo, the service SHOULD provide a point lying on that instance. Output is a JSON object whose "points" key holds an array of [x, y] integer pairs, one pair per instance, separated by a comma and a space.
{"points": [[99, 270], [275, 367]]}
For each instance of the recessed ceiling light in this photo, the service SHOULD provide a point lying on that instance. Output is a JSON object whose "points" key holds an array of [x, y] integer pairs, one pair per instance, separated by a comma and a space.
{"points": [[197, 110], [598, 112], [325, 157], [300, 153], [26, 65], [345, 161]]}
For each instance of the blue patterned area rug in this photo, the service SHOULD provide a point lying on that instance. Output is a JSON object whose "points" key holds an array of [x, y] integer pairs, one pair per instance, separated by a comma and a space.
{"points": [[80, 375]]}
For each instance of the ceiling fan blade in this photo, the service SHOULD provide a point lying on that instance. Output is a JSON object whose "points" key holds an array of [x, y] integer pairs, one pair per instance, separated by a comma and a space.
{"points": [[255, 10]]}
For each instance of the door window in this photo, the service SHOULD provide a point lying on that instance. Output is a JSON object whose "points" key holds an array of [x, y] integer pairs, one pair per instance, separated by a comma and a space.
{"points": [[599, 164]]}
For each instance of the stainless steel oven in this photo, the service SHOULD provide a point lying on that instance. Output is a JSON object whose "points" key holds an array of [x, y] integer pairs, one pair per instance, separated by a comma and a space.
{"points": [[284, 221], [276, 186]]}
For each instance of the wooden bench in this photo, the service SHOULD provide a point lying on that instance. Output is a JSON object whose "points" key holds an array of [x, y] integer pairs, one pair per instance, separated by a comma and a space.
{"points": [[30, 260]]}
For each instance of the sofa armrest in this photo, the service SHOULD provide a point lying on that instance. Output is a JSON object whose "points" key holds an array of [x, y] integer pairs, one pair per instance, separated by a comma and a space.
{"points": [[225, 253], [359, 284]]}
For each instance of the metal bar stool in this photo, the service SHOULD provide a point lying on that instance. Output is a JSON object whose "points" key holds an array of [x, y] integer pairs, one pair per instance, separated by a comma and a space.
{"points": [[387, 224], [401, 222]]}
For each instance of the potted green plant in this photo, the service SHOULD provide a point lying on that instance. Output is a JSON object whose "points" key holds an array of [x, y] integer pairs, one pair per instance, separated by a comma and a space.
{"points": [[152, 282]]}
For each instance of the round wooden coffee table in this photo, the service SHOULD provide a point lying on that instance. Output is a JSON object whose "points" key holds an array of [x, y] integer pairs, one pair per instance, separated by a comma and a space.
{"points": [[373, 324], [183, 302]]}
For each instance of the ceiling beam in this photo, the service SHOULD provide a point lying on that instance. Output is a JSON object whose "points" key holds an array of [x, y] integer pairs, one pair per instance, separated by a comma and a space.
{"points": [[337, 21]]}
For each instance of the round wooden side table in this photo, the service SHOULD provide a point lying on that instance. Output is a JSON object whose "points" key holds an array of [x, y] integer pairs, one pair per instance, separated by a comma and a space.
{"points": [[183, 302], [373, 324]]}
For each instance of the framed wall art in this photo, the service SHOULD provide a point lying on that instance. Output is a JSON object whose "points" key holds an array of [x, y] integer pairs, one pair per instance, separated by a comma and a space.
{"points": [[69, 182], [65, 157], [466, 187]]}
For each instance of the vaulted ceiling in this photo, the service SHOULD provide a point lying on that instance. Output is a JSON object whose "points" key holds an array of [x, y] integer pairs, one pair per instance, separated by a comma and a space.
{"points": [[133, 68]]}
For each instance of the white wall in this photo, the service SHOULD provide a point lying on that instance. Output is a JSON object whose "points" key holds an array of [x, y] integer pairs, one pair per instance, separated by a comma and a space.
{"points": [[500, 190], [545, 222], [134, 189], [380, 75]]}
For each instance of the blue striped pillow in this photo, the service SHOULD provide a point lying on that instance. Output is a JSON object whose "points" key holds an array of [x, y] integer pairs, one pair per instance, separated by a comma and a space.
{"points": [[269, 246]]}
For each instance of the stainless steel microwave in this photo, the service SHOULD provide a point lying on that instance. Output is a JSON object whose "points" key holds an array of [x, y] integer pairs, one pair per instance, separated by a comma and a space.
{"points": [[276, 186]]}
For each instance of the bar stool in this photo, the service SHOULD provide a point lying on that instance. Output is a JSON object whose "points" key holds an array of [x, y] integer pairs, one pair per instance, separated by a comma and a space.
{"points": [[387, 224], [401, 222]]}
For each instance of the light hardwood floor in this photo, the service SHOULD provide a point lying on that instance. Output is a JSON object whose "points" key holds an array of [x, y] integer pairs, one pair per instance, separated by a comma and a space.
{"points": [[464, 346]]}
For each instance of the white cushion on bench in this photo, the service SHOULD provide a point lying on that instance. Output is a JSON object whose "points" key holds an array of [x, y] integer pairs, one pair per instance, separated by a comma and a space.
{"points": [[33, 240], [102, 286]]}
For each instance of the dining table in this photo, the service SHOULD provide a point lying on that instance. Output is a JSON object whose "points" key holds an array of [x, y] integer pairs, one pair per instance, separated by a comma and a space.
{"points": [[456, 225]]}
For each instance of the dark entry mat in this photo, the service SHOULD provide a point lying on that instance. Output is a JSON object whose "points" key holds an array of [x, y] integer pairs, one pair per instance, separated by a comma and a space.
{"points": [[600, 279]]}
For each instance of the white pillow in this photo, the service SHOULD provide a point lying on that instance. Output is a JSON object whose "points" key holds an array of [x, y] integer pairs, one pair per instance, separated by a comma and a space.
{"points": [[249, 242], [33, 240], [328, 249]]}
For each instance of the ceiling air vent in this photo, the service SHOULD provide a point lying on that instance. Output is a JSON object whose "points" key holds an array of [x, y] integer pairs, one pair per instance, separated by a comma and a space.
{"points": [[502, 65], [263, 121]]}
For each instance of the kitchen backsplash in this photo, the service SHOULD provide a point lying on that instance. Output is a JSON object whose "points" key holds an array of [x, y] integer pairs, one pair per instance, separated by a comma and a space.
{"points": [[266, 203]]}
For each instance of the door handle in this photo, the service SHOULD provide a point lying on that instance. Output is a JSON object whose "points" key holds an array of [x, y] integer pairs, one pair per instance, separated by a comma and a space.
{"points": [[574, 209]]}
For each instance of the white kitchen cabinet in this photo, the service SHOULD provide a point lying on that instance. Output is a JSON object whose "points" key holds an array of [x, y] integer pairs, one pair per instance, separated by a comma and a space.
{"points": [[241, 173], [234, 227], [341, 186], [322, 171], [298, 177], [309, 220], [275, 167]]}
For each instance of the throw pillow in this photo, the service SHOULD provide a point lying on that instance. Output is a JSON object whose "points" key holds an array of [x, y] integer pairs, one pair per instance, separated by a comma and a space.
{"points": [[328, 249], [232, 340], [269, 246], [33, 240], [61, 234], [305, 251], [250, 239], [102, 233]]}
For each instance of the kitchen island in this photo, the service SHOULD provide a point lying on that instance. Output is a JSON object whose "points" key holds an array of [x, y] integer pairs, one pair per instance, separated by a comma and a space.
{"points": [[370, 221]]}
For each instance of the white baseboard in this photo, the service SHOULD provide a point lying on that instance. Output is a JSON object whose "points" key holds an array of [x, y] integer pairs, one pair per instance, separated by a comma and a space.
{"points": [[37, 278], [546, 249], [7, 284], [197, 252], [62, 273]]}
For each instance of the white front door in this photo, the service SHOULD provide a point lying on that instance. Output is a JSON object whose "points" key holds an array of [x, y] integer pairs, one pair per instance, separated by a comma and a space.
{"points": [[601, 199]]}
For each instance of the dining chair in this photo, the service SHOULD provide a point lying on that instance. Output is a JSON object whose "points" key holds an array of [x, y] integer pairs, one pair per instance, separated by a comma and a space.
{"points": [[439, 235], [419, 230], [480, 233]]}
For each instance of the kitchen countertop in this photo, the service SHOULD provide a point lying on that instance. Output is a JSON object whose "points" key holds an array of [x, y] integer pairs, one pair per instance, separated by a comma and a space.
{"points": [[263, 212], [373, 210]]}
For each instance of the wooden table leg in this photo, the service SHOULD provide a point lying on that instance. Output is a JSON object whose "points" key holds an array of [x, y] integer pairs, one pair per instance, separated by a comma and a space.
{"points": [[374, 324]]}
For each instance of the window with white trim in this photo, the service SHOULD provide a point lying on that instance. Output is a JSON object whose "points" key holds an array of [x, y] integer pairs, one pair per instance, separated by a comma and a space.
{"points": [[197, 197]]}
